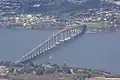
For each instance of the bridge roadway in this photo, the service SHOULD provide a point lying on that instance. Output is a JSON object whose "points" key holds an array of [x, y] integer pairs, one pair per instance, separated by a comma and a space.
{"points": [[57, 38]]}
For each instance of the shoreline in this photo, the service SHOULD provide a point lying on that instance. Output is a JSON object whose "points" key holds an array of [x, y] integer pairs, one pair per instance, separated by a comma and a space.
{"points": [[21, 28], [95, 31], [89, 30]]}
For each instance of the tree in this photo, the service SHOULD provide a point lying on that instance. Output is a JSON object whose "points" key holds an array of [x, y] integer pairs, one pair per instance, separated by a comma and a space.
{"points": [[66, 69], [31, 64], [40, 71]]}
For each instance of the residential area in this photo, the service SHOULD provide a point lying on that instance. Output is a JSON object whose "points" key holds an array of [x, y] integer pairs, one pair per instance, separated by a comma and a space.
{"points": [[106, 17]]}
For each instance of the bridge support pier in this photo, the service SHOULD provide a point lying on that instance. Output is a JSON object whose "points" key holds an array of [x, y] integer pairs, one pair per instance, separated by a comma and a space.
{"points": [[65, 37], [68, 33], [42, 48], [46, 46], [62, 36], [58, 37]]}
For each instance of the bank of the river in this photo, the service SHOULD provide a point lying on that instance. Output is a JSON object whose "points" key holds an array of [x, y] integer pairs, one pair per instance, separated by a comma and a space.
{"points": [[100, 27], [90, 29], [95, 27], [101, 30], [32, 28]]}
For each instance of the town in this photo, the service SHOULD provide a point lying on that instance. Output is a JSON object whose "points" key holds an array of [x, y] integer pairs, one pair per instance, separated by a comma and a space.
{"points": [[98, 15], [106, 17], [49, 71]]}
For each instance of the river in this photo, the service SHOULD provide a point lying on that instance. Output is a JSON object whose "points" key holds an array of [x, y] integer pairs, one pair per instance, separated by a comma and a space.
{"points": [[100, 51], [14, 43]]}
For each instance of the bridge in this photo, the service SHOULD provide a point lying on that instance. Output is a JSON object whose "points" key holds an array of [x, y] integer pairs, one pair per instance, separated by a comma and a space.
{"points": [[56, 39]]}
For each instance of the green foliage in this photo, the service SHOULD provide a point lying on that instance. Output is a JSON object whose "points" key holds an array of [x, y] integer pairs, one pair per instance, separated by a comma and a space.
{"points": [[97, 25]]}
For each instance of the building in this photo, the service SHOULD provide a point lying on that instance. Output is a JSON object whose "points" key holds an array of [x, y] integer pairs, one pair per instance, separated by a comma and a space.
{"points": [[9, 7], [103, 78]]}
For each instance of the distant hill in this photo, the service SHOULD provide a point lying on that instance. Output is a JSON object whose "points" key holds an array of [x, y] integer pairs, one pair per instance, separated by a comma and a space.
{"points": [[58, 5]]}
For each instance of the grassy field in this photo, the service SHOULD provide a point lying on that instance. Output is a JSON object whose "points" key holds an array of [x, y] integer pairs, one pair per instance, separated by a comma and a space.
{"points": [[97, 25]]}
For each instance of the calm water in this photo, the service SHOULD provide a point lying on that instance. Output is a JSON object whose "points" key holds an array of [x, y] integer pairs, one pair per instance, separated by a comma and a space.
{"points": [[14, 43], [100, 51]]}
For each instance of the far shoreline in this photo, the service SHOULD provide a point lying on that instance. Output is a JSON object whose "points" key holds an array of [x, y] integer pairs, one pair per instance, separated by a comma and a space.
{"points": [[89, 31]]}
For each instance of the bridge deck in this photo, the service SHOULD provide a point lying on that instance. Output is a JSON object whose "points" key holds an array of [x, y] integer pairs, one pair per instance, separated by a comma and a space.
{"points": [[53, 41]]}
